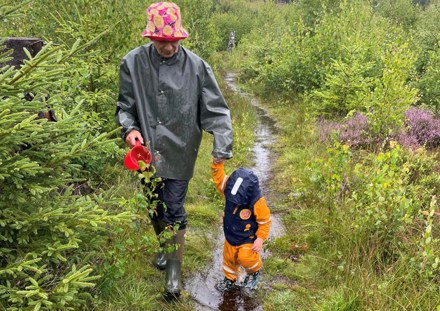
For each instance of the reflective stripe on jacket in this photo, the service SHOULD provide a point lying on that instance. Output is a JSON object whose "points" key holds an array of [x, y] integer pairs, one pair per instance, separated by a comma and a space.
{"points": [[170, 101]]}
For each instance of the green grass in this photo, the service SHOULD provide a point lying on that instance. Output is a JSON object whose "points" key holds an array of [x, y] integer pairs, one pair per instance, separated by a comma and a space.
{"points": [[336, 272]]}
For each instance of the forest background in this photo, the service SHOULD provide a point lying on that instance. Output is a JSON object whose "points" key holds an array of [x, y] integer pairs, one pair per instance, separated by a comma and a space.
{"points": [[354, 87]]}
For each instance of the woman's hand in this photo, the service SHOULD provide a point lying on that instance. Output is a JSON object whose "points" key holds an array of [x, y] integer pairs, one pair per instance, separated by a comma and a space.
{"points": [[131, 138]]}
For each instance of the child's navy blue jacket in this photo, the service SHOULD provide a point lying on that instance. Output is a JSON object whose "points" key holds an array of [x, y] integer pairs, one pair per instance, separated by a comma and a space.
{"points": [[246, 215]]}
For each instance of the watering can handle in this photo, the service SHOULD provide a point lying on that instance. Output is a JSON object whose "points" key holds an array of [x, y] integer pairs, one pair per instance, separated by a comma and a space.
{"points": [[137, 142]]}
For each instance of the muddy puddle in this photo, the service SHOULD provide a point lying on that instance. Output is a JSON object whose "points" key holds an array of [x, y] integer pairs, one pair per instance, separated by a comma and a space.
{"points": [[202, 286]]}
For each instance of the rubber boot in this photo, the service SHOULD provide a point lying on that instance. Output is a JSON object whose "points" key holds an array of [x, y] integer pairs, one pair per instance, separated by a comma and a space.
{"points": [[173, 276], [159, 261]]}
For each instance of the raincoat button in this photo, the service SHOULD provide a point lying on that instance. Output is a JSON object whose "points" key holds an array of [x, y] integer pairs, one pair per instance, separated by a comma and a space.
{"points": [[161, 92]]}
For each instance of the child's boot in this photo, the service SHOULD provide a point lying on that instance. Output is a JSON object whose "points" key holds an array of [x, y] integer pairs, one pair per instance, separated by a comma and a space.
{"points": [[251, 280], [226, 285]]}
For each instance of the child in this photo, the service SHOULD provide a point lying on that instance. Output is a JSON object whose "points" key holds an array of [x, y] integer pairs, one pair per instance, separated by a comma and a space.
{"points": [[246, 224]]}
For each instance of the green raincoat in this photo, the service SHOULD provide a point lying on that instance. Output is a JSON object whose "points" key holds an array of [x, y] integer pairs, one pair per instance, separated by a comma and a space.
{"points": [[170, 101]]}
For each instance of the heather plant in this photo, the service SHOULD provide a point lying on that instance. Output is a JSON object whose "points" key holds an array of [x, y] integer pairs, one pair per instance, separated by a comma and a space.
{"points": [[354, 131], [421, 129]]}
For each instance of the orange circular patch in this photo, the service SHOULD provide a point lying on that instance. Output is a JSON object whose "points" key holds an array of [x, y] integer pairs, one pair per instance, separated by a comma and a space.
{"points": [[150, 27], [173, 17], [245, 214], [167, 30], [152, 13], [158, 21]]}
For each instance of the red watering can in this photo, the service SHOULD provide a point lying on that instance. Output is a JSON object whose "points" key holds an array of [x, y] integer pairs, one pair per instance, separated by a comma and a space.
{"points": [[137, 153]]}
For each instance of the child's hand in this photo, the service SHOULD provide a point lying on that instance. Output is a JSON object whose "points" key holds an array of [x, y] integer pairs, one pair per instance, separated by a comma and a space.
{"points": [[217, 160], [258, 244]]}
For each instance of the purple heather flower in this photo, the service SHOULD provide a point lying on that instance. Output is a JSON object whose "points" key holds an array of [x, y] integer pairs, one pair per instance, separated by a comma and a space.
{"points": [[421, 129]]}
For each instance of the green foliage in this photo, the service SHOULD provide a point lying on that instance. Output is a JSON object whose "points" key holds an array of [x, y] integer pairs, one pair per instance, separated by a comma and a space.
{"points": [[50, 233], [381, 219], [429, 257], [329, 176], [379, 89], [428, 83], [401, 12], [371, 220], [346, 87], [203, 36], [392, 95], [383, 201], [238, 16]]}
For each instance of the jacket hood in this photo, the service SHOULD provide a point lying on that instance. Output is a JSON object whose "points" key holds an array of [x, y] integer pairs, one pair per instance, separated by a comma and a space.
{"points": [[242, 187]]}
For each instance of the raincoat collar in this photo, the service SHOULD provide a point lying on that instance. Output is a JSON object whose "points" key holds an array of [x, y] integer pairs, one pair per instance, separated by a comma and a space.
{"points": [[158, 59]]}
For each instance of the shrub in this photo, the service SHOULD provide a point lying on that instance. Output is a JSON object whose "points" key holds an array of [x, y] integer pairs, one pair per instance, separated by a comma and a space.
{"points": [[428, 83], [50, 235], [401, 12], [354, 131], [422, 128], [379, 201]]}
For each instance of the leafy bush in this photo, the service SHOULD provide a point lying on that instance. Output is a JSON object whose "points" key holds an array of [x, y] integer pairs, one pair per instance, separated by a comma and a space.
{"points": [[50, 233], [402, 12], [426, 33], [428, 83], [240, 18], [330, 176], [381, 223]]}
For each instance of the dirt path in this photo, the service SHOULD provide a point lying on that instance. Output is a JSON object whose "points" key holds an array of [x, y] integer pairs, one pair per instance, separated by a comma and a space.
{"points": [[202, 285]]}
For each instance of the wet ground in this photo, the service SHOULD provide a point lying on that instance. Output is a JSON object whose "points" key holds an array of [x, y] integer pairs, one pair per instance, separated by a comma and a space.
{"points": [[202, 285]]}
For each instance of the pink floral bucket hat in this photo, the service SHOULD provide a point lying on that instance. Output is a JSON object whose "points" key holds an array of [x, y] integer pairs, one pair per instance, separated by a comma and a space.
{"points": [[164, 22]]}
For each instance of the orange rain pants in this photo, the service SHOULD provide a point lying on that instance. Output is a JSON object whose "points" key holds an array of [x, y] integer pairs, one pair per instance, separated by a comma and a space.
{"points": [[236, 256]]}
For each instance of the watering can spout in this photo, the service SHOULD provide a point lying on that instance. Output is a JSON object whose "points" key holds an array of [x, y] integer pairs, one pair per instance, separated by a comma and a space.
{"points": [[136, 154]]}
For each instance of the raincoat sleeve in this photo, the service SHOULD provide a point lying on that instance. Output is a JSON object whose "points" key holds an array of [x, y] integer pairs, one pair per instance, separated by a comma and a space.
{"points": [[219, 177], [126, 113], [263, 218], [215, 116]]}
